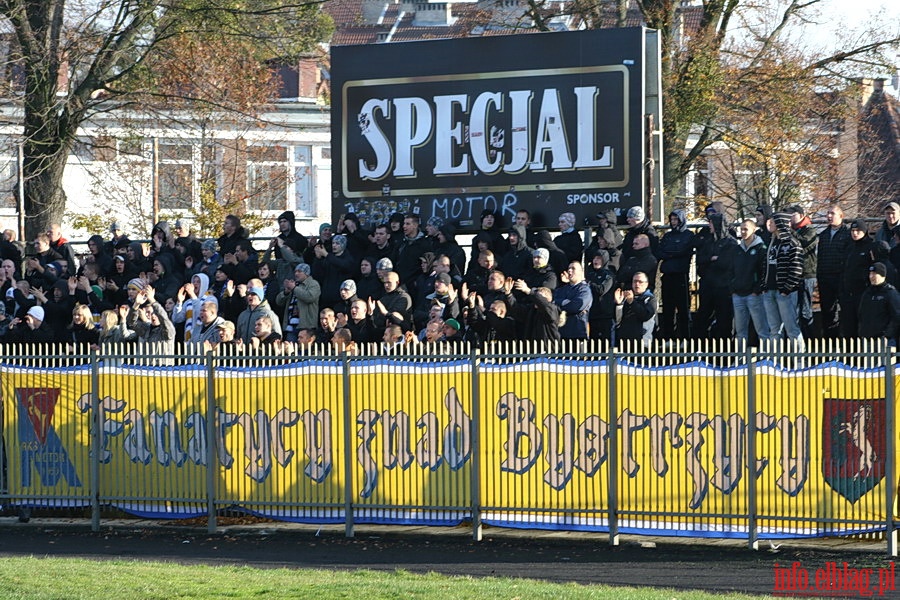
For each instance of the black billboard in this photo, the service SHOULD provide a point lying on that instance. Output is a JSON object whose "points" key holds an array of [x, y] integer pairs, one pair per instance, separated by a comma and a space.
{"points": [[551, 122]]}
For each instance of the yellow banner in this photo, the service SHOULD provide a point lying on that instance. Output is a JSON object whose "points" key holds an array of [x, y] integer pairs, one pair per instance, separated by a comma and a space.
{"points": [[543, 445]]}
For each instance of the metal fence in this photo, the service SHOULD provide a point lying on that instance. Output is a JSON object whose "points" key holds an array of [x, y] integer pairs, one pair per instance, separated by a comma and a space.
{"points": [[709, 439]]}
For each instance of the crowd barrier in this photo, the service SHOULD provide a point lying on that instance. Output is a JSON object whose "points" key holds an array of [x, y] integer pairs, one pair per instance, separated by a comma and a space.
{"points": [[712, 440]]}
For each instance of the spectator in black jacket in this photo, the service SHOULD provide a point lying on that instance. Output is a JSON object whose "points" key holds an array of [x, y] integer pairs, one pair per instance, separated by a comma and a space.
{"points": [[833, 248], [855, 280], [675, 250], [714, 262], [569, 239], [638, 224], [601, 279], [879, 307]]}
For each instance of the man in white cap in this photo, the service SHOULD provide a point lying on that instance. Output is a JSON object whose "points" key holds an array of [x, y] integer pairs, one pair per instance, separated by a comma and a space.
{"points": [[300, 299], [30, 329]]}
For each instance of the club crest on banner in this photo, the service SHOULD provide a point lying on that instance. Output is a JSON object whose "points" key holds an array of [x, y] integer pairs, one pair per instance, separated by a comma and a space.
{"points": [[853, 446]]}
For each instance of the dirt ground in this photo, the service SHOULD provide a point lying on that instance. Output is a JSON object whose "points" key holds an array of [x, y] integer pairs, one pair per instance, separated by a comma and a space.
{"points": [[679, 564]]}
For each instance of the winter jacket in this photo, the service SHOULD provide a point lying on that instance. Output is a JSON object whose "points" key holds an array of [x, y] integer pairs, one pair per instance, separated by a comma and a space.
{"points": [[833, 247], [575, 300], [809, 241], [879, 312], [784, 259], [638, 318], [246, 322], [749, 268], [676, 248]]}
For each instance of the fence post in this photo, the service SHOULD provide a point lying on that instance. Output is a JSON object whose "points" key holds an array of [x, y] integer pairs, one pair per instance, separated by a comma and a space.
{"points": [[890, 467], [752, 526], [475, 424], [349, 421], [613, 491], [97, 432], [211, 456]]}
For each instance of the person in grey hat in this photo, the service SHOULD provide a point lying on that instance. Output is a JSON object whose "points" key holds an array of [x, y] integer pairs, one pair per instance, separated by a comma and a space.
{"points": [[347, 292], [257, 306], [299, 302], [539, 274], [331, 269], [638, 224], [118, 242]]}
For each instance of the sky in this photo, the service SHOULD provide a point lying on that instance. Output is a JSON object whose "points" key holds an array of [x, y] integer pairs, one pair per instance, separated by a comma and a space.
{"points": [[843, 17]]}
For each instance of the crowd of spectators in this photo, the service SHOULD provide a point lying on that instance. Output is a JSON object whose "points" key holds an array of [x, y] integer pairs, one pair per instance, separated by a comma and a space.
{"points": [[407, 282]]}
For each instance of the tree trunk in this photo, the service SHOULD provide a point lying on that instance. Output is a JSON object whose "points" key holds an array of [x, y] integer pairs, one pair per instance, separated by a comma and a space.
{"points": [[45, 200]]}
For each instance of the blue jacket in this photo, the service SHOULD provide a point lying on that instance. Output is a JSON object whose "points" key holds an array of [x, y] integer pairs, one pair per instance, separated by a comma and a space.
{"points": [[575, 300]]}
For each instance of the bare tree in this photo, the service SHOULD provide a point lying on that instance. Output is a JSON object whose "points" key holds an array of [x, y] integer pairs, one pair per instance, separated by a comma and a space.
{"points": [[105, 53]]}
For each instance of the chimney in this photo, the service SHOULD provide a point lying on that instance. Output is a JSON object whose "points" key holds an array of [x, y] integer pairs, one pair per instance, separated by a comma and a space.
{"points": [[308, 85]]}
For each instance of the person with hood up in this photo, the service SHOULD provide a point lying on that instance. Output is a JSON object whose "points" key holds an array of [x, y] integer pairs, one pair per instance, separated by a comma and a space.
{"points": [[99, 256], [888, 229], [517, 261], [855, 277], [188, 301], [606, 237], [748, 283], [287, 247], [715, 314], [638, 224], [490, 231], [784, 277], [602, 281], [675, 251], [879, 307], [446, 244], [569, 239], [162, 240], [164, 279], [136, 255], [763, 214]]}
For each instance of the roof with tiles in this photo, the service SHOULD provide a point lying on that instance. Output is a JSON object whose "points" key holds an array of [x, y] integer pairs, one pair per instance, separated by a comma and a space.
{"points": [[880, 163]]}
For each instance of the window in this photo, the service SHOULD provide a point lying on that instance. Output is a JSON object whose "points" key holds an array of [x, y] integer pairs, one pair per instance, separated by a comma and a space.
{"points": [[8, 179], [176, 176], [281, 177], [267, 177]]}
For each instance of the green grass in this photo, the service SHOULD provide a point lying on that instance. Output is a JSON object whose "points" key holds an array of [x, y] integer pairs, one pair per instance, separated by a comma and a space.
{"points": [[66, 578]]}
